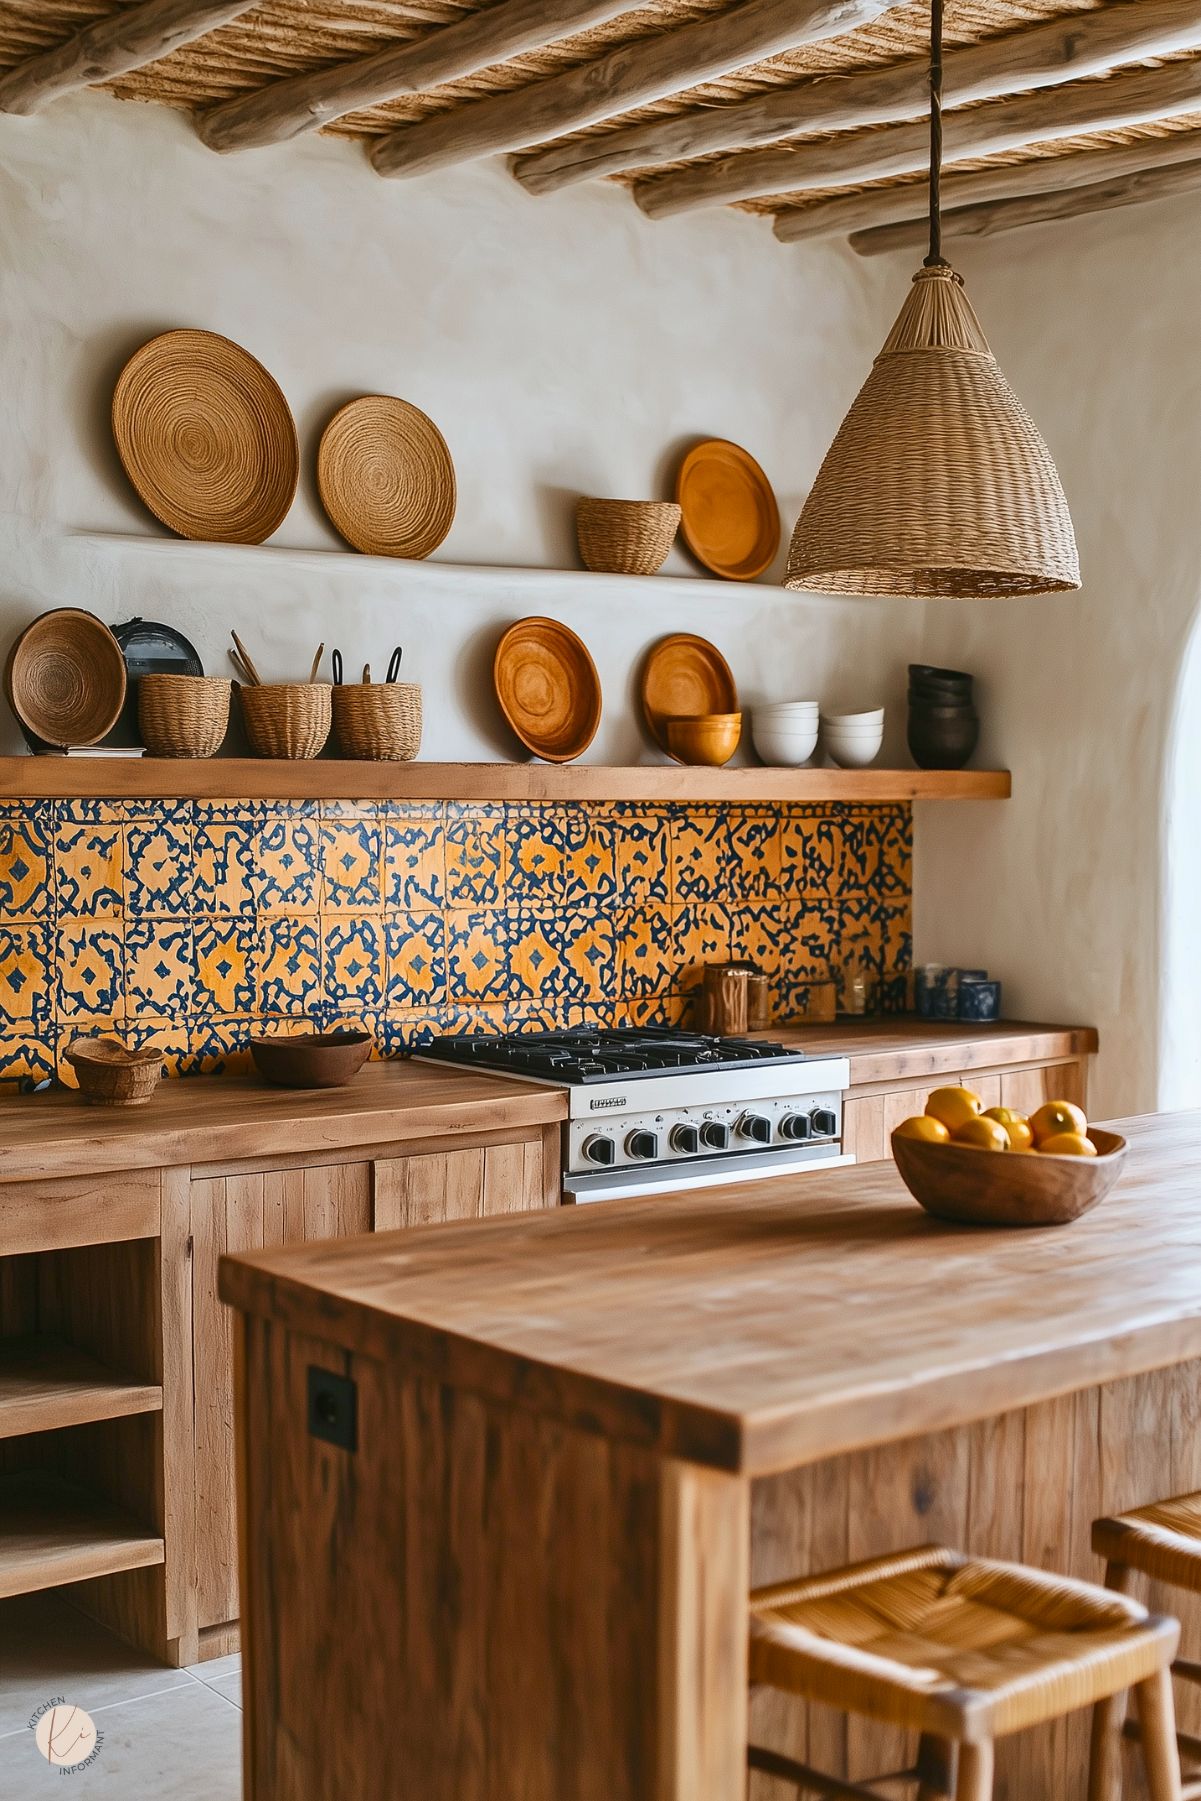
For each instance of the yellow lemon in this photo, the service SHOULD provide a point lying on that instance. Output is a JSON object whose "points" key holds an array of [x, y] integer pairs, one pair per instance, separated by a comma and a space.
{"points": [[954, 1106], [1068, 1144], [922, 1126], [1021, 1138], [1054, 1117], [985, 1134]]}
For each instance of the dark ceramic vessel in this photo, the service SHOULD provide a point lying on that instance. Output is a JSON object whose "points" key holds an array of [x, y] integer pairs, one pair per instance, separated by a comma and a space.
{"points": [[314, 1060]]}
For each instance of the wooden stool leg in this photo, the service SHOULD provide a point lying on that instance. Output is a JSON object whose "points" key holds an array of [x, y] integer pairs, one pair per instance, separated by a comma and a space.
{"points": [[936, 1759], [1157, 1718], [976, 1773], [1105, 1756]]}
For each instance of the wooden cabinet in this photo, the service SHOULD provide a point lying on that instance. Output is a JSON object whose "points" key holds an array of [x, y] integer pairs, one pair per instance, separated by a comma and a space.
{"points": [[872, 1112], [463, 1184]]}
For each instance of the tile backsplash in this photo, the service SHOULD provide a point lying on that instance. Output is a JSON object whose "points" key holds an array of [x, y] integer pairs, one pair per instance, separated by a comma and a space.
{"points": [[192, 924]]}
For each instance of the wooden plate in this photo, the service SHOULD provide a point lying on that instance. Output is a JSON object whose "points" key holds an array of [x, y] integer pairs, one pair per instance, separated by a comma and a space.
{"points": [[386, 477], [548, 688], [728, 513], [684, 677], [206, 437]]}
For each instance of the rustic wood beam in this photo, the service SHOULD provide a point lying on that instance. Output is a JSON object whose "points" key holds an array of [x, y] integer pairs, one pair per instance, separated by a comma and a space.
{"points": [[1132, 97], [627, 76], [286, 109], [904, 210], [1041, 56], [1039, 209], [127, 39]]}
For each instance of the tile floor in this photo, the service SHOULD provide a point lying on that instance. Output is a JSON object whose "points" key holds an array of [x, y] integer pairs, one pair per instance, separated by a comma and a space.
{"points": [[168, 1735]]}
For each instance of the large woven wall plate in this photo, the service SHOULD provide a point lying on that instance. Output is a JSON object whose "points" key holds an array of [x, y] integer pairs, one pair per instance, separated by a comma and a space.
{"points": [[206, 437], [386, 477]]}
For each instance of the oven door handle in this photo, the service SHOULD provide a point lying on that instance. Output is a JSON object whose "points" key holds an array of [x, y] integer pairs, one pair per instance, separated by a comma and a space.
{"points": [[629, 1184]]}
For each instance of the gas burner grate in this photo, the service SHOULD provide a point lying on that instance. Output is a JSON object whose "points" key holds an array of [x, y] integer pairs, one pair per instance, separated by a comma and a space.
{"points": [[585, 1054]]}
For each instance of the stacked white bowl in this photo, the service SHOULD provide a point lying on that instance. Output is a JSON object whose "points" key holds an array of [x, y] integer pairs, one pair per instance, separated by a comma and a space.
{"points": [[853, 740], [786, 731]]}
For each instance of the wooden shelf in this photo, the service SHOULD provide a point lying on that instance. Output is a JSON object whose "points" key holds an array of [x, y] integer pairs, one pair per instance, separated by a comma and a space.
{"points": [[75, 778], [53, 1532], [46, 1383]]}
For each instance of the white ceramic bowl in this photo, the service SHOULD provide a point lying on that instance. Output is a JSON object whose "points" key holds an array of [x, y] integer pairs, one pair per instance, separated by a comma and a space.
{"points": [[853, 750], [789, 706], [874, 717], [783, 745]]}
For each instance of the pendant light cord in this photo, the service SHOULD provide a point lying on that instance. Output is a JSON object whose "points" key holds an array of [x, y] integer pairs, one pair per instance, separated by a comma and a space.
{"points": [[936, 259]]}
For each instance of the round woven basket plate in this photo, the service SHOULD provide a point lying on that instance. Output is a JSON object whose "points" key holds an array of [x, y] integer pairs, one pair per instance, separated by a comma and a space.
{"points": [[548, 688], [386, 478], [206, 437], [65, 679], [728, 513], [684, 677]]}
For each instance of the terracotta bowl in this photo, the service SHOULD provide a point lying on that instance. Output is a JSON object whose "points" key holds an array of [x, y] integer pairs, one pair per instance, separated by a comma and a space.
{"points": [[312, 1060], [1004, 1188], [710, 738]]}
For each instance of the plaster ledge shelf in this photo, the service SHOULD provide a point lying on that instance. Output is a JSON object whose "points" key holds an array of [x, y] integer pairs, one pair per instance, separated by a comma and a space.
{"points": [[328, 778]]}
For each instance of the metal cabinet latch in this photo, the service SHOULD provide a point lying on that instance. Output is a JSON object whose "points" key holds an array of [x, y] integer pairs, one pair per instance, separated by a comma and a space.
{"points": [[333, 1408]]}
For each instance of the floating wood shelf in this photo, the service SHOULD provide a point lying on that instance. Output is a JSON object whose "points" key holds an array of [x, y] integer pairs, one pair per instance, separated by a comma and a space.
{"points": [[253, 778], [46, 1384], [53, 1532]]}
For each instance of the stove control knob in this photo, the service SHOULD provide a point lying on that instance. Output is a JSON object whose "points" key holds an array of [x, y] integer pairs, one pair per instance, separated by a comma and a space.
{"points": [[686, 1139], [795, 1125], [642, 1144], [824, 1121], [598, 1149], [756, 1126], [715, 1135]]}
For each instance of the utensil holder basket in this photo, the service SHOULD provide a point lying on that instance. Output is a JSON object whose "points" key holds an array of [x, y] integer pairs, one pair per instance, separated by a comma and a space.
{"points": [[183, 715], [287, 719], [379, 722]]}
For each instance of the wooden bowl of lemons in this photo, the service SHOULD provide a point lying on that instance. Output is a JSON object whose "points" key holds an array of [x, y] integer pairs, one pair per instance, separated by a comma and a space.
{"points": [[997, 1167]]}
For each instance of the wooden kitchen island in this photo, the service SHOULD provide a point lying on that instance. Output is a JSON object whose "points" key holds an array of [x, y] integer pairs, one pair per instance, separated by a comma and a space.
{"points": [[504, 1486]]}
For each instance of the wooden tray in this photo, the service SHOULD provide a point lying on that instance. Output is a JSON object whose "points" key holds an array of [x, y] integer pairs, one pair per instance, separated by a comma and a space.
{"points": [[206, 437], [548, 688], [386, 477], [728, 513], [684, 677]]}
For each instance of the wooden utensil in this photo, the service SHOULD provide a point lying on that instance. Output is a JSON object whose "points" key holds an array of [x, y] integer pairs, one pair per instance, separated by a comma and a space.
{"points": [[728, 513], [548, 688], [366, 675], [247, 664], [206, 437], [65, 678], [1007, 1188], [316, 663], [684, 677], [386, 477]]}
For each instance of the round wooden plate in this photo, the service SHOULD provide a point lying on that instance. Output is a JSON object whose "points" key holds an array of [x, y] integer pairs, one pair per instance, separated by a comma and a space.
{"points": [[728, 513], [206, 437], [548, 688], [684, 677], [386, 477]]}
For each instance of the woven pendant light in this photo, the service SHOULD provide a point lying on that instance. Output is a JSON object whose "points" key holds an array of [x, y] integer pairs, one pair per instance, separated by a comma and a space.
{"points": [[939, 481]]}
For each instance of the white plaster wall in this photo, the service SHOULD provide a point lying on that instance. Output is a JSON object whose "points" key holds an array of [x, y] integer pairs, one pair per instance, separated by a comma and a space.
{"points": [[563, 345], [1082, 895]]}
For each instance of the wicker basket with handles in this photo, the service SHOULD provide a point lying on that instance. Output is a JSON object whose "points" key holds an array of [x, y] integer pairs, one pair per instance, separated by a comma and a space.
{"points": [[287, 719], [183, 715], [379, 722]]}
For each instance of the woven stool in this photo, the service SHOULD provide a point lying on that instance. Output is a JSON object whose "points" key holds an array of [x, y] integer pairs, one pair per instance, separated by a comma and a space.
{"points": [[963, 1652], [1162, 1541]]}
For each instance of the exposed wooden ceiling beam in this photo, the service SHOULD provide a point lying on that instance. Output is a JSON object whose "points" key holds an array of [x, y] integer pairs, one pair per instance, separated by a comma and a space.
{"points": [[1039, 209], [1132, 97], [902, 211], [127, 39], [1041, 56], [629, 75], [286, 109]]}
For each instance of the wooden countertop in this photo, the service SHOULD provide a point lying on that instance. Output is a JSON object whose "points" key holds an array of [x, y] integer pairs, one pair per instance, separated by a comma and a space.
{"points": [[887, 1050], [767, 1325], [210, 1119]]}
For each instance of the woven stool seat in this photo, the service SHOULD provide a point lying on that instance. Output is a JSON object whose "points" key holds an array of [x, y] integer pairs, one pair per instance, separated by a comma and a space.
{"points": [[1162, 1540]]}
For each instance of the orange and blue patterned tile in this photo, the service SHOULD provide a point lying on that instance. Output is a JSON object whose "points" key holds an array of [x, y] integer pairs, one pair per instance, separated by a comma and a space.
{"points": [[89, 870], [354, 966], [754, 852], [662, 1010], [90, 967], [27, 1059], [371, 1020], [351, 865], [288, 867], [562, 854], [26, 862], [170, 1034], [88, 812], [350, 809], [414, 863], [160, 966], [894, 833], [477, 954], [896, 935], [407, 1029], [220, 1043], [722, 853], [287, 964], [416, 953], [159, 867], [860, 932], [558, 1016], [700, 935], [225, 867], [245, 811], [647, 950], [642, 854], [225, 958], [475, 851], [811, 849]]}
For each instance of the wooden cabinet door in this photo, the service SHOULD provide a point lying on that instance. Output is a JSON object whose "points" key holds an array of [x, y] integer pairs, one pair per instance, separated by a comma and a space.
{"points": [[869, 1120], [245, 1213], [431, 1188], [1027, 1089]]}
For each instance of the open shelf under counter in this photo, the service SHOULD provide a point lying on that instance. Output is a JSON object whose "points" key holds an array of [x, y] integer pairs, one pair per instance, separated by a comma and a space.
{"points": [[329, 778], [52, 1532], [46, 1384]]}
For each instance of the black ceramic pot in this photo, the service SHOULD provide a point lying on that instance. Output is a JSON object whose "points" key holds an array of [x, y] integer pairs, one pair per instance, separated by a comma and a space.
{"points": [[942, 737]]}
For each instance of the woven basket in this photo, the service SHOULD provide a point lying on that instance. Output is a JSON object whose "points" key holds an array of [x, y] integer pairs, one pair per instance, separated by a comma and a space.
{"points": [[110, 1075], [379, 722], [386, 477], [287, 719], [625, 537], [183, 715], [65, 678]]}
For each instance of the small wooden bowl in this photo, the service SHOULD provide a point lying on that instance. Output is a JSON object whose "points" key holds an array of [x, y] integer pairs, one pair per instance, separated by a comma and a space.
{"points": [[312, 1059], [1007, 1188], [710, 738], [548, 688], [110, 1075]]}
